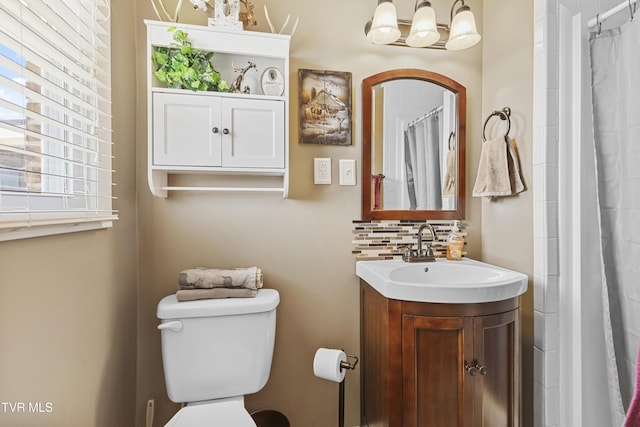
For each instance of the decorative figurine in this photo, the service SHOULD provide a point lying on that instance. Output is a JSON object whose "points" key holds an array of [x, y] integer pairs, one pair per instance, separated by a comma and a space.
{"points": [[227, 13], [237, 81]]}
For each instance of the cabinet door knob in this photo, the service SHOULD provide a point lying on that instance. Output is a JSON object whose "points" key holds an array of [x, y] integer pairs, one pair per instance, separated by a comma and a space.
{"points": [[481, 369], [472, 370], [215, 130], [225, 131]]}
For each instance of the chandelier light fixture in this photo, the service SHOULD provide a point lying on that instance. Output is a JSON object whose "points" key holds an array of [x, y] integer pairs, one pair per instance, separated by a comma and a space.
{"points": [[423, 30]]}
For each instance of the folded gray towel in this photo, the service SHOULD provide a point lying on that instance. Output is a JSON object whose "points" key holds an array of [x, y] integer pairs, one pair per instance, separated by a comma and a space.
{"points": [[215, 293], [208, 278]]}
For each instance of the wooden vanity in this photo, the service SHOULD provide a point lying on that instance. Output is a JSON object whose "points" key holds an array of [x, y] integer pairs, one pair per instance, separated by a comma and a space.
{"points": [[439, 365]]}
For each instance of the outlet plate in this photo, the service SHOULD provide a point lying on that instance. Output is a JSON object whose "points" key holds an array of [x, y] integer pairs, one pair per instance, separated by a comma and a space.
{"points": [[321, 170], [347, 172]]}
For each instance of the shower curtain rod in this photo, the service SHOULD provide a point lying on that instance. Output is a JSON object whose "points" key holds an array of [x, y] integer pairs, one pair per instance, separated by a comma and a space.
{"points": [[599, 19], [429, 114]]}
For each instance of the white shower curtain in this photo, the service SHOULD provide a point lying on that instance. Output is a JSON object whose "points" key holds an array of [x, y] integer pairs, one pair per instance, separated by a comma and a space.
{"points": [[422, 161], [615, 72]]}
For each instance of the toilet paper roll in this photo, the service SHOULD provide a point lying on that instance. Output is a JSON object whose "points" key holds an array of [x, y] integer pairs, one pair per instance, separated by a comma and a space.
{"points": [[326, 364]]}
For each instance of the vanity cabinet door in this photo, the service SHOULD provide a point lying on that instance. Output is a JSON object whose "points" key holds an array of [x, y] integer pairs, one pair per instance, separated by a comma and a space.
{"points": [[186, 130], [497, 385], [255, 135], [439, 365], [436, 389], [461, 371]]}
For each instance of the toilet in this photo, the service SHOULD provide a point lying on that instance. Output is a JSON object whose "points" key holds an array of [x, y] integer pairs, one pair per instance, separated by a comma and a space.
{"points": [[214, 352]]}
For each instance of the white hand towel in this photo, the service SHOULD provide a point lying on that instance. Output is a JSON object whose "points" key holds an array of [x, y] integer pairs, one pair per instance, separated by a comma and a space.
{"points": [[517, 186], [499, 170], [449, 186]]}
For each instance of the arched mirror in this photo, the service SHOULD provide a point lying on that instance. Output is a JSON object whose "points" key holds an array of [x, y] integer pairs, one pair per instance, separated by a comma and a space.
{"points": [[413, 153]]}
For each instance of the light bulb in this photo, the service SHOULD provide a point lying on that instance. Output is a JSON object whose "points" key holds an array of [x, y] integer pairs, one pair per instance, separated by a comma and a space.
{"points": [[384, 28], [463, 32], [424, 31]]}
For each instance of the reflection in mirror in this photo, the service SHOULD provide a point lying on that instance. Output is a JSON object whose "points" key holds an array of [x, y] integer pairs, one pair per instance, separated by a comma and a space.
{"points": [[413, 146]]}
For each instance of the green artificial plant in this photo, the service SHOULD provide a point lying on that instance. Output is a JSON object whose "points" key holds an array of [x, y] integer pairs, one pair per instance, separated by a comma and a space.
{"points": [[181, 66]]}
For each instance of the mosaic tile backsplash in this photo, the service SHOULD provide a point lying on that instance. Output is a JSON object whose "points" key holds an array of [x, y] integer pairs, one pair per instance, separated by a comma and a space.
{"points": [[380, 239]]}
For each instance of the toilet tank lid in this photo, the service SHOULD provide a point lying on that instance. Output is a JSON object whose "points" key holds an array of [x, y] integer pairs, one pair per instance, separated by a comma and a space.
{"points": [[170, 308]]}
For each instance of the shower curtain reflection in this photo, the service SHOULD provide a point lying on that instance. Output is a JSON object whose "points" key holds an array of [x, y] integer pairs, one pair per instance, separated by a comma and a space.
{"points": [[422, 163], [615, 66]]}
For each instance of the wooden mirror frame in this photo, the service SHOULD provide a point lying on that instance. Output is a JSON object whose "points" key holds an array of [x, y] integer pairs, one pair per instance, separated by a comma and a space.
{"points": [[461, 102]]}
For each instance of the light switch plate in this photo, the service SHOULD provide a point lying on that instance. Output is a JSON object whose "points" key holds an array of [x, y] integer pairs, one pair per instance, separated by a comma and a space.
{"points": [[347, 172], [321, 170]]}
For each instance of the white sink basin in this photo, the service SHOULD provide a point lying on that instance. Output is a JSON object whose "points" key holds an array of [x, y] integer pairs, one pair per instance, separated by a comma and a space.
{"points": [[442, 281]]}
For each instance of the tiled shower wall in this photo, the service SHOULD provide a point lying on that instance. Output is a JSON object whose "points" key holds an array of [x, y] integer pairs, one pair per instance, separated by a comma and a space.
{"points": [[381, 239], [545, 214]]}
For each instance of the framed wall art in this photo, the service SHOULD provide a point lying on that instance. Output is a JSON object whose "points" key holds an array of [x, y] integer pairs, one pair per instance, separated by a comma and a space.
{"points": [[325, 107]]}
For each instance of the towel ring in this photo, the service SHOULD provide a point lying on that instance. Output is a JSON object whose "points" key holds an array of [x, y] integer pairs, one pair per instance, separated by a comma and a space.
{"points": [[504, 114]]}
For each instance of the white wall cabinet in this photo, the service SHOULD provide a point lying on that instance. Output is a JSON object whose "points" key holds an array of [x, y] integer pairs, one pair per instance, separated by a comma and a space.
{"points": [[214, 132], [252, 133], [182, 130]]}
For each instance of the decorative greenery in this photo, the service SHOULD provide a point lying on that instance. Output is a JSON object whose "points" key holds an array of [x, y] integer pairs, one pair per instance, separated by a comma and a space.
{"points": [[181, 66]]}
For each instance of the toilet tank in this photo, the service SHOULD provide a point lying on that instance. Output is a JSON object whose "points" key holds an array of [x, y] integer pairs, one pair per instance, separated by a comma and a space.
{"points": [[217, 348]]}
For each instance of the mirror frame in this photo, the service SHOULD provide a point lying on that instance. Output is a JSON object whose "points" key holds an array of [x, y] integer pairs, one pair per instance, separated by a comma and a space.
{"points": [[416, 215]]}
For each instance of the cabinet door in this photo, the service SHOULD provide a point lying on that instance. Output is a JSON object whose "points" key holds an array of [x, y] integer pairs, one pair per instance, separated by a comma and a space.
{"points": [[253, 133], [496, 387], [437, 390], [183, 130]]}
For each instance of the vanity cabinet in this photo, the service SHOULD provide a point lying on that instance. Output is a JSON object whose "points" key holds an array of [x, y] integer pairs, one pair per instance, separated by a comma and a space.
{"points": [[439, 365], [238, 137]]}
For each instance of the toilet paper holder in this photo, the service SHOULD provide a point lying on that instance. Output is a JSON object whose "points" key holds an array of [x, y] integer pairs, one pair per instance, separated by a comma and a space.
{"points": [[350, 363], [346, 365]]}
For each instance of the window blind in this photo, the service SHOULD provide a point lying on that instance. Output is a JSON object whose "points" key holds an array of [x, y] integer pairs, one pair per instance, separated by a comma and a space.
{"points": [[55, 116]]}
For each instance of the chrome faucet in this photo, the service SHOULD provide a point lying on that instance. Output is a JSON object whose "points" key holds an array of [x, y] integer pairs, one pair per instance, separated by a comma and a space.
{"points": [[433, 237], [421, 255]]}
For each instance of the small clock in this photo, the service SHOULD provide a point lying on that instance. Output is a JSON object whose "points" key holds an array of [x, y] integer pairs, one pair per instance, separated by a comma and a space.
{"points": [[272, 82]]}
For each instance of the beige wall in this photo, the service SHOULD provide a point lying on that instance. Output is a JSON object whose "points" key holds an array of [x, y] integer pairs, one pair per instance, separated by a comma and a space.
{"points": [[507, 224], [303, 244], [67, 303], [70, 338]]}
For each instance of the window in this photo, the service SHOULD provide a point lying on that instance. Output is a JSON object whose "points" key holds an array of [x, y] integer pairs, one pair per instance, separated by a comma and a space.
{"points": [[55, 117]]}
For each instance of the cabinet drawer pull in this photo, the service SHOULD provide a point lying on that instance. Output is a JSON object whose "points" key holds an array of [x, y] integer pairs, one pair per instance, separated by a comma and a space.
{"points": [[215, 130], [225, 131]]}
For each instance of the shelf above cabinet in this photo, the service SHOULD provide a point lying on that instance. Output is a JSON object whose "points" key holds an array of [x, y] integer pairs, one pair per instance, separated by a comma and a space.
{"points": [[219, 39], [204, 181], [217, 94]]}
